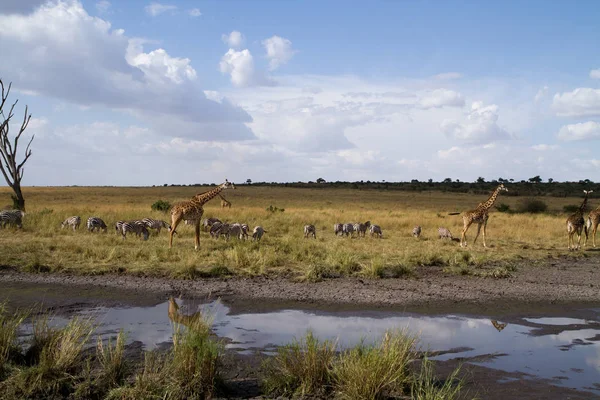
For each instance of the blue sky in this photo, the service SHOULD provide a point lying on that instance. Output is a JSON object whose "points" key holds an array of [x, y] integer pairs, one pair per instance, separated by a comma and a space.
{"points": [[140, 92]]}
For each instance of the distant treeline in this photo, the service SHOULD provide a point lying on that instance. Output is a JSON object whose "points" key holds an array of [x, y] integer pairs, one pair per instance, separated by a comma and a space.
{"points": [[521, 188]]}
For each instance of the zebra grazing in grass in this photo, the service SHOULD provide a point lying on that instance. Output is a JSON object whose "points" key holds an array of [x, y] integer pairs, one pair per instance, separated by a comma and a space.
{"points": [[236, 230], [310, 230], [348, 230], [375, 230], [361, 229], [137, 227], [444, 233], [73, 222], [245, 229], [119, 226], [208, 222], [417, 231], [11, 217], [258, 233], [95, 223], [156, 224], [214, 229], [338, 229]]}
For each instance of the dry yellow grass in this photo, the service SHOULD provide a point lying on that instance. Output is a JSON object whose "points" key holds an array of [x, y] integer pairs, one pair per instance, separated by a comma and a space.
{"points": [[42, 245]]}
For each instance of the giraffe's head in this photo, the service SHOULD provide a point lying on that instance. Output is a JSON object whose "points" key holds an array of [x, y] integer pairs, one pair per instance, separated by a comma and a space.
{"points": [[588, 191], [227, 185], [502, 187]]}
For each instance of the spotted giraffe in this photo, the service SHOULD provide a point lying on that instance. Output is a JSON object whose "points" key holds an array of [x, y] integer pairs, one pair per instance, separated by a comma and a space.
{"points": [[192, 210], [592, 223], [479, 215], [224, 202], [575, 224]]}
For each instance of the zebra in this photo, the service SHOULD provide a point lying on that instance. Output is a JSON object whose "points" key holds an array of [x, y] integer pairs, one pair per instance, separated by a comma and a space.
{"points": [[236, 230], [95, 223], [361, 229], [338, 229], [444, 233], [73, 222], [258, 233], [310, 230], [376, 230], [208, 222], [416, 232], [348, 229], [119, 226], [11, 217], [214, 229], [245, 229], [136, 226], [156, 224]]}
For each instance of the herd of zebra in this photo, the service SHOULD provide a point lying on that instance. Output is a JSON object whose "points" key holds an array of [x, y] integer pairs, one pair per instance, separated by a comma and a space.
{"points": [[139, 226]]}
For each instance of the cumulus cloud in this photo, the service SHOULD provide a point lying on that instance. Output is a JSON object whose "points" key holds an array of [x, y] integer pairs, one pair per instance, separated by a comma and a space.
{"points": [[481, 125], [234, 40], [279, 51], [581, 102], [441, 98], [194, 12], [541, 94], [154, 9], [581, 131], [88, 63], [595, 73], [240, 66]]}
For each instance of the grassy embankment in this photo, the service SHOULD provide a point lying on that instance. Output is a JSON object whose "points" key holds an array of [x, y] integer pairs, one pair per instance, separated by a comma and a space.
{"points": [[513, 238], [64, 363]]}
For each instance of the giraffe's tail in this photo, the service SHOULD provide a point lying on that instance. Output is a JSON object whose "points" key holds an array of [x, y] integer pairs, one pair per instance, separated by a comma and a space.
{"points": [[454, 213]]}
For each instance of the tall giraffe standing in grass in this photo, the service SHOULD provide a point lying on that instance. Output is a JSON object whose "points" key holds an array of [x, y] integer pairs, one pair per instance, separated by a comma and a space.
{"points": [[224, 202], [575, 224], [592, 222], [192, 210], [480, 215]]}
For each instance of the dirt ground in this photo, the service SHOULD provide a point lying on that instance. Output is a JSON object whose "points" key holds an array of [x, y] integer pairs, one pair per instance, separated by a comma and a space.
{"points": [[557, 287]]}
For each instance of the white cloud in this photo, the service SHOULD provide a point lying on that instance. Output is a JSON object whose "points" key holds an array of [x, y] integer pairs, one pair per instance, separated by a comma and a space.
{"points": [[581, 131], [541, 94], [446, 76], [279, 51], [441, 98], [544, 147], [580, 102], [234, 40], [595, 73], [62, 52], [154, 9], [102, 6], [481, 125], [194, 12], [240, 66]]}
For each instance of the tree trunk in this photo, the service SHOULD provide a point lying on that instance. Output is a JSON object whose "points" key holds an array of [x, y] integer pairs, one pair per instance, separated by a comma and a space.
{"points": [[18, 199]]}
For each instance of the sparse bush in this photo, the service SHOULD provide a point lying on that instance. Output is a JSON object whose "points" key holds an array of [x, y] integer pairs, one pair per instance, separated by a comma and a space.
{"points": [[274, 209], [503, 207], [425, 386], [532, 206], [161, 205]]}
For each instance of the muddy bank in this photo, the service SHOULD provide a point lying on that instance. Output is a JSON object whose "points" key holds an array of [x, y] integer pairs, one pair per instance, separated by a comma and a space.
{"points": [[561, 283]]}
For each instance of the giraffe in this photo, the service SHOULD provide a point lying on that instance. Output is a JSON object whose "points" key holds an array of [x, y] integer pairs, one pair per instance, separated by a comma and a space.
{"points": [[480, 216], [576, 223], [498, 325], [592, 222], [192, 210], [224, 202], [191, 321]]}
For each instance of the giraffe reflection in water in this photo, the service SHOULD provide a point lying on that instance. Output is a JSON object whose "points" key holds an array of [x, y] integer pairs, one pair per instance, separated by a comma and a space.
{"points": [[191, 321], [498, 325]]}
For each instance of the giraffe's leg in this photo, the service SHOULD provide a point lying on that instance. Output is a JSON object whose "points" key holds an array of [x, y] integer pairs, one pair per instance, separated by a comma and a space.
{"points": [[175, 220], [479, 224], [578, 239], [197, 239], [484, 226], [463, 237], [594, 229]]}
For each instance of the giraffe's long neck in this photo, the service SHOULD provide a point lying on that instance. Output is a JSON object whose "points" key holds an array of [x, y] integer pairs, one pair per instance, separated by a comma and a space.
{"points": [[582, 207], [206, 196], [490, 202]]}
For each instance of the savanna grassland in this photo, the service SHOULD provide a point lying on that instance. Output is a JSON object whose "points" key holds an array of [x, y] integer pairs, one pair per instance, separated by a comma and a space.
{"points": [[513, 238]]}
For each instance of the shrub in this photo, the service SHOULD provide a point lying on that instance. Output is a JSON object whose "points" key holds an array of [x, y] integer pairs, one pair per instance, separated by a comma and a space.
{"points": [[503, 207], [161, 205], [274, 209], [532, 206], [426, 387], [571, 208]]}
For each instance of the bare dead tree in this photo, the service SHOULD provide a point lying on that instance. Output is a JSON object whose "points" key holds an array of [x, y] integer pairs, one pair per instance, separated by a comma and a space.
{"points": [[10, 167]]}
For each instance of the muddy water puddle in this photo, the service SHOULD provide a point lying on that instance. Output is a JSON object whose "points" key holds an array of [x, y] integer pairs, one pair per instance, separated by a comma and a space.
{"points": [[565, 351]]}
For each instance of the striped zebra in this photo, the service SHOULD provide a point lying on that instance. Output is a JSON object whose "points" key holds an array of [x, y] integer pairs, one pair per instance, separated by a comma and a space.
{"points": [[416, 232], [73, 222], [214, 229], [137, 227], [258, 233], [12, 218], [361, 229], [348, 229], [94, 223], [119, 227], [444, 233], [338, 229], [156, 224], [208, 222], [310, 230], [245, 229], [376, 230]]}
